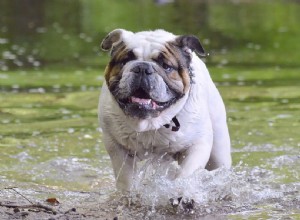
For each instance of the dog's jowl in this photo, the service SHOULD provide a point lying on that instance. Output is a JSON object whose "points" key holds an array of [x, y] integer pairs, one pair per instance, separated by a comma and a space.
{"points": [[158, 99]]}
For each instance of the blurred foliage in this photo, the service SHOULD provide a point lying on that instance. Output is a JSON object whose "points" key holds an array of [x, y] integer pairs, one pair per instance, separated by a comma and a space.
{"points": [[37, 32]]}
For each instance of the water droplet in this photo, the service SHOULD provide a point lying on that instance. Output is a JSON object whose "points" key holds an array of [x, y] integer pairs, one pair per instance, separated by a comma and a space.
{"points": [[3, 76], [87, 136], [71, 130], [8, 55], [3, 41], [36, 63]]}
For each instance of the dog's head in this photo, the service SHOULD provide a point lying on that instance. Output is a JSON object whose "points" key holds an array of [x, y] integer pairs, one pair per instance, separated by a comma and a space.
{"points": [[148, 71]]}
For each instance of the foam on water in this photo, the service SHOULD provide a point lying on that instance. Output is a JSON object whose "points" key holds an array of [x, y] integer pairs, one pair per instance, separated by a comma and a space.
{"points": [[222, 191]]}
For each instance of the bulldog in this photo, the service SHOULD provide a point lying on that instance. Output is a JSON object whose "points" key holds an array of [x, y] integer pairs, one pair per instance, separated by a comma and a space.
{"points": [[158, 99]]}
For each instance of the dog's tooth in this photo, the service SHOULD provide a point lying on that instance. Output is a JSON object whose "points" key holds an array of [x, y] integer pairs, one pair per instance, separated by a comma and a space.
{"points": [[148, 101], [154, 105]]}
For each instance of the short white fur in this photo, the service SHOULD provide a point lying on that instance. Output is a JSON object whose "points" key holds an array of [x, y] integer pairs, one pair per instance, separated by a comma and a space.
{"points": [[203, 134]]}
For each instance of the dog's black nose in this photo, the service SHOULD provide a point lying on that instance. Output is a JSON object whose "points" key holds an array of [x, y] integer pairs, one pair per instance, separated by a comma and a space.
{"points": [[143, 68]]}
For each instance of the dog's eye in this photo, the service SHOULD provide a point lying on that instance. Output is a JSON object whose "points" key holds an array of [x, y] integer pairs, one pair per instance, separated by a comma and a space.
{"points": [[124, 61], [130, 56], [167, 67], [160, 60]]}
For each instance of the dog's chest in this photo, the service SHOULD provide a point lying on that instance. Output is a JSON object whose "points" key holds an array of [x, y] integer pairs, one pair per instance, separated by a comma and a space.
{"points": [[154, 142]]}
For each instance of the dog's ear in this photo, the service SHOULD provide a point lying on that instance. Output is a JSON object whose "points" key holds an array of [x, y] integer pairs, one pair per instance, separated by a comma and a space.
{"points": [[112, 39], [189, 44]]}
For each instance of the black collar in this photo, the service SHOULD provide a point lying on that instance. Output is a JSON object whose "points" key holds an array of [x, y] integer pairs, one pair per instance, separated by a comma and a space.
{"points": [[176, 122]]}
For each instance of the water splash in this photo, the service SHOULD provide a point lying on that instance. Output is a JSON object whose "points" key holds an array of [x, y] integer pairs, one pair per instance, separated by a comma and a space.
{"points": [[156, 185], [220, 192]]}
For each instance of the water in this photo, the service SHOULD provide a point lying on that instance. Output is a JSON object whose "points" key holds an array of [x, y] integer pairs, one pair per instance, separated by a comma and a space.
{"points": [[51, 145]]}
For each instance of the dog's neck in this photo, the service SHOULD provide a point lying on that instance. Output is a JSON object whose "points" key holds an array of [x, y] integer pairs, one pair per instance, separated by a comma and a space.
{"points": [[174, 119]]}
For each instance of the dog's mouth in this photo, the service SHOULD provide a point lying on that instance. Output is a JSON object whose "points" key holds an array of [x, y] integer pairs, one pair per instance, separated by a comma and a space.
{"points": [[141, 99]]}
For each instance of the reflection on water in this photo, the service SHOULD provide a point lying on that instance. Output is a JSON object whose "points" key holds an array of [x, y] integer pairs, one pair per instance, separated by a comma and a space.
{"points": [[234, 32], [49, 138]]}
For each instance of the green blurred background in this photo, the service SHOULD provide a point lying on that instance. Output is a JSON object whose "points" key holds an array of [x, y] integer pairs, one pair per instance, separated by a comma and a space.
{"points": [[37, 33]]}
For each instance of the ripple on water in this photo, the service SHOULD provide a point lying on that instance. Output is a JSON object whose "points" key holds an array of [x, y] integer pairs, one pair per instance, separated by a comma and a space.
{"points": [[70, 173]]}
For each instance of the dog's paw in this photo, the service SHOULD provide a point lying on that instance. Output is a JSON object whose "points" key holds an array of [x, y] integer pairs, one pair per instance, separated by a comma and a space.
{"points": [[186, 204], [175, 202]]}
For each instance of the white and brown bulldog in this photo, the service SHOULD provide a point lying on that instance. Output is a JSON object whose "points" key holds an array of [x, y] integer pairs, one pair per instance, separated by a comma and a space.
{"points": [[158, 99]]}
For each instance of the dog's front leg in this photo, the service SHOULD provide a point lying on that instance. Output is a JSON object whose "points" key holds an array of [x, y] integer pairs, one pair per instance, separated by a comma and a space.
{"points": [[123, 165], [195, 157]]}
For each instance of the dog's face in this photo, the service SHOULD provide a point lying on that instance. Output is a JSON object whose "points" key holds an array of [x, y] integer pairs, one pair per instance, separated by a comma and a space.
{"points": [[148, 71]]}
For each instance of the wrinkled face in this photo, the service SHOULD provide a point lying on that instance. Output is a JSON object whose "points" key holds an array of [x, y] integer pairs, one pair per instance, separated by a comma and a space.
{"points": [[147, 76]]}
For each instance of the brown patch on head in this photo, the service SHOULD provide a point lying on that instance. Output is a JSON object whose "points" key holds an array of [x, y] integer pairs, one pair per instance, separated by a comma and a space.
{"points": [[186, 80], [180, 52], [175, 58], [120, 54]]}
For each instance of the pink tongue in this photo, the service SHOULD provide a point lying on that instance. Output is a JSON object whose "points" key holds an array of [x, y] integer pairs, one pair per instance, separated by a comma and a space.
{"points": [[140, 101], [144, 102]]}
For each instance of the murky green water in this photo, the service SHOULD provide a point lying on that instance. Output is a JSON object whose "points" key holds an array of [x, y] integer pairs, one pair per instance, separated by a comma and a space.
{"points": [[49, 139], [50, 143]]}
